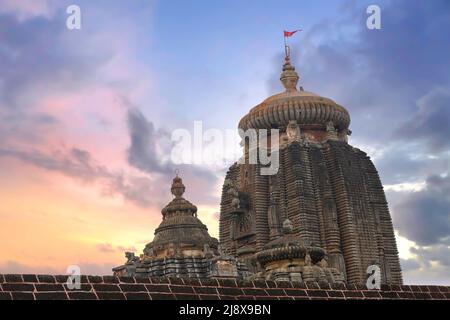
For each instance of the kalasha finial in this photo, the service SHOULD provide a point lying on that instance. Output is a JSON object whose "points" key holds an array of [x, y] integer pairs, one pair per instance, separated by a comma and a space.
{"points": [[178, 187], [289, 77]]}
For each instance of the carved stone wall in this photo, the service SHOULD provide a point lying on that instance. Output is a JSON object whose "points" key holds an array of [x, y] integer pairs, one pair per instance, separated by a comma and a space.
{"points": [[332, 194]]}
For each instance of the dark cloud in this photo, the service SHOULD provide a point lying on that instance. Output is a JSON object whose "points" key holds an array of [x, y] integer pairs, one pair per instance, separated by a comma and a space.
{"points": [[438, 253], [431, 123], [409, 264], [80, 165], [147, 144], [379, 75], [41, 55], [424, 216], [150, 151]]}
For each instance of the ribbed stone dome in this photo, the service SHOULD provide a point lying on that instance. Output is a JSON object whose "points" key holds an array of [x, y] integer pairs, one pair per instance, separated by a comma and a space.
{"points": [[180, 226], [308, 109]]}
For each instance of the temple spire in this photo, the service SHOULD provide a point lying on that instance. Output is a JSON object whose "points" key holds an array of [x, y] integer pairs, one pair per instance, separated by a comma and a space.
{"points": [[289, 77]]}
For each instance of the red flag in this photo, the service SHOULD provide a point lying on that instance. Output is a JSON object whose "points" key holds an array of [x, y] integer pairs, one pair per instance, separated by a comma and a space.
{"points": [[290, 33]]}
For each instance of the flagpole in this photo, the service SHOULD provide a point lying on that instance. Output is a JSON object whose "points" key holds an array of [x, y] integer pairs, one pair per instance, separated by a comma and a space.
{"points": [[285, 48]]}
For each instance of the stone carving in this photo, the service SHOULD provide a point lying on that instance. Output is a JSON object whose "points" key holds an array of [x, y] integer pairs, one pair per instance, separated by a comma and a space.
{"points": [[131, 258], [330, 191], [293, 131], [182, 246]]}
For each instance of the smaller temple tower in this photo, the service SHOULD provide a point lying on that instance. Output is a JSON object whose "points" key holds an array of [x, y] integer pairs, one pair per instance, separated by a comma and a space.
{"points": [[182, 246]]}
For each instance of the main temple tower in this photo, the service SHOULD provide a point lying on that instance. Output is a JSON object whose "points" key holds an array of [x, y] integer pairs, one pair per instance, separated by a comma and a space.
{"points": [[328, 190]]}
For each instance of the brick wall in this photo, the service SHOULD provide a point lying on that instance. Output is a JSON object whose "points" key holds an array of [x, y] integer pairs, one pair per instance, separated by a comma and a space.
{"points": [[47, 287]]}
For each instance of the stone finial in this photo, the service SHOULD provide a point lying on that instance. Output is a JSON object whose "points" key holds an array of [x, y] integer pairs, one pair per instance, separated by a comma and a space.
{"points": [[178, 187], [289, 77], [287, 226]]}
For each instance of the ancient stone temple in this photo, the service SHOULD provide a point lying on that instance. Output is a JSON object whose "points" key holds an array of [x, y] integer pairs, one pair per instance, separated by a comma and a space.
{"points": [[182, 246], [328, 190]]}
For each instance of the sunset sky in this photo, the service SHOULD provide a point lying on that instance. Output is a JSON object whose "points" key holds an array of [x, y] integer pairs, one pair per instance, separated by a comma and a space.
{"points": [[86, 115]]}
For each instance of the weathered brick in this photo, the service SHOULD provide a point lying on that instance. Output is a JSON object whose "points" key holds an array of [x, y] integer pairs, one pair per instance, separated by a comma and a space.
{"points": [[105, 295], [437, 296], [424, 289], [160, 280], [191, 282], [324, 286], [185, 296], [132, 287], [49, 287], [386, 287], [284, 284], [296, 292], [6, 296], [245, 284], [157, 288], [110, 279], [209, 282], [444, 289], [2, 278], [80, 295], [371, 294], [264, 298], [260, 284], [143, 279], [312, 285], [247, 297], [95, 279], [223, 297], [229, 291], [22, 296], [137, 296], [405, 288], [255, 292], [227, 282], [106, 287], [51, 296], [350, 287], [162, 296], [389, 295], [46, 278], [15, 278], [405, 295], [208, 297], [422, 295], [318, 293], [126, 280], [433, 288], [415, 288], [177, 281], [298, 284], [335, 294], [181, 289], [18, 287], [353, 294], [205, 290], [275, 292], [61, 279], [395, 287], [29, 278], [338, 286], [271, 284]]}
